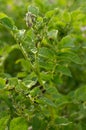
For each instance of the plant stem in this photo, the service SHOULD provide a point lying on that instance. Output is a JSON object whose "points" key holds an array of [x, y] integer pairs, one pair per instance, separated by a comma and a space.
{"points": [[36, 70]]}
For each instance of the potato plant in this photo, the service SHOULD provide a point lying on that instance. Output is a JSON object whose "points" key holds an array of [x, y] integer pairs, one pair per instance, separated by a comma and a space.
{"points": [[42, 68]]}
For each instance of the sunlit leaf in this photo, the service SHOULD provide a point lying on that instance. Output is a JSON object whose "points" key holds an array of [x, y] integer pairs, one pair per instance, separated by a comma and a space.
{"points": [[4, 122], [67, 42], [18, 123]]}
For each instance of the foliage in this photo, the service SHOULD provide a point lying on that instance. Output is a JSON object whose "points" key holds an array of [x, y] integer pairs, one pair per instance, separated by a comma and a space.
{"points": [[42, 65]]}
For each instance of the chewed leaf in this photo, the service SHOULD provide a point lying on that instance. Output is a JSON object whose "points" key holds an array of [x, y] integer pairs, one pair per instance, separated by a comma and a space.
{"points": [[34, 10], [52, 34]]}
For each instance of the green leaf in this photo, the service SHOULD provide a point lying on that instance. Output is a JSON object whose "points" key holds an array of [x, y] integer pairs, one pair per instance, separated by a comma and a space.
{"points": [[62, 100], [2, 15], [52, 34], [62, 121], [2, 83], [36, 123], [47, 53], [48, 65], [35, 91], [21, 74], [3, 122], [18, 124], [28, 41], [7, 21], [46, 101], [67, 42], [63, 70], [69, 56], [77, 15], [51, 13], [19, 34], [56, 79], [66, 17], [46, 76], [33, 9], [26, 65], [80, 93]]}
